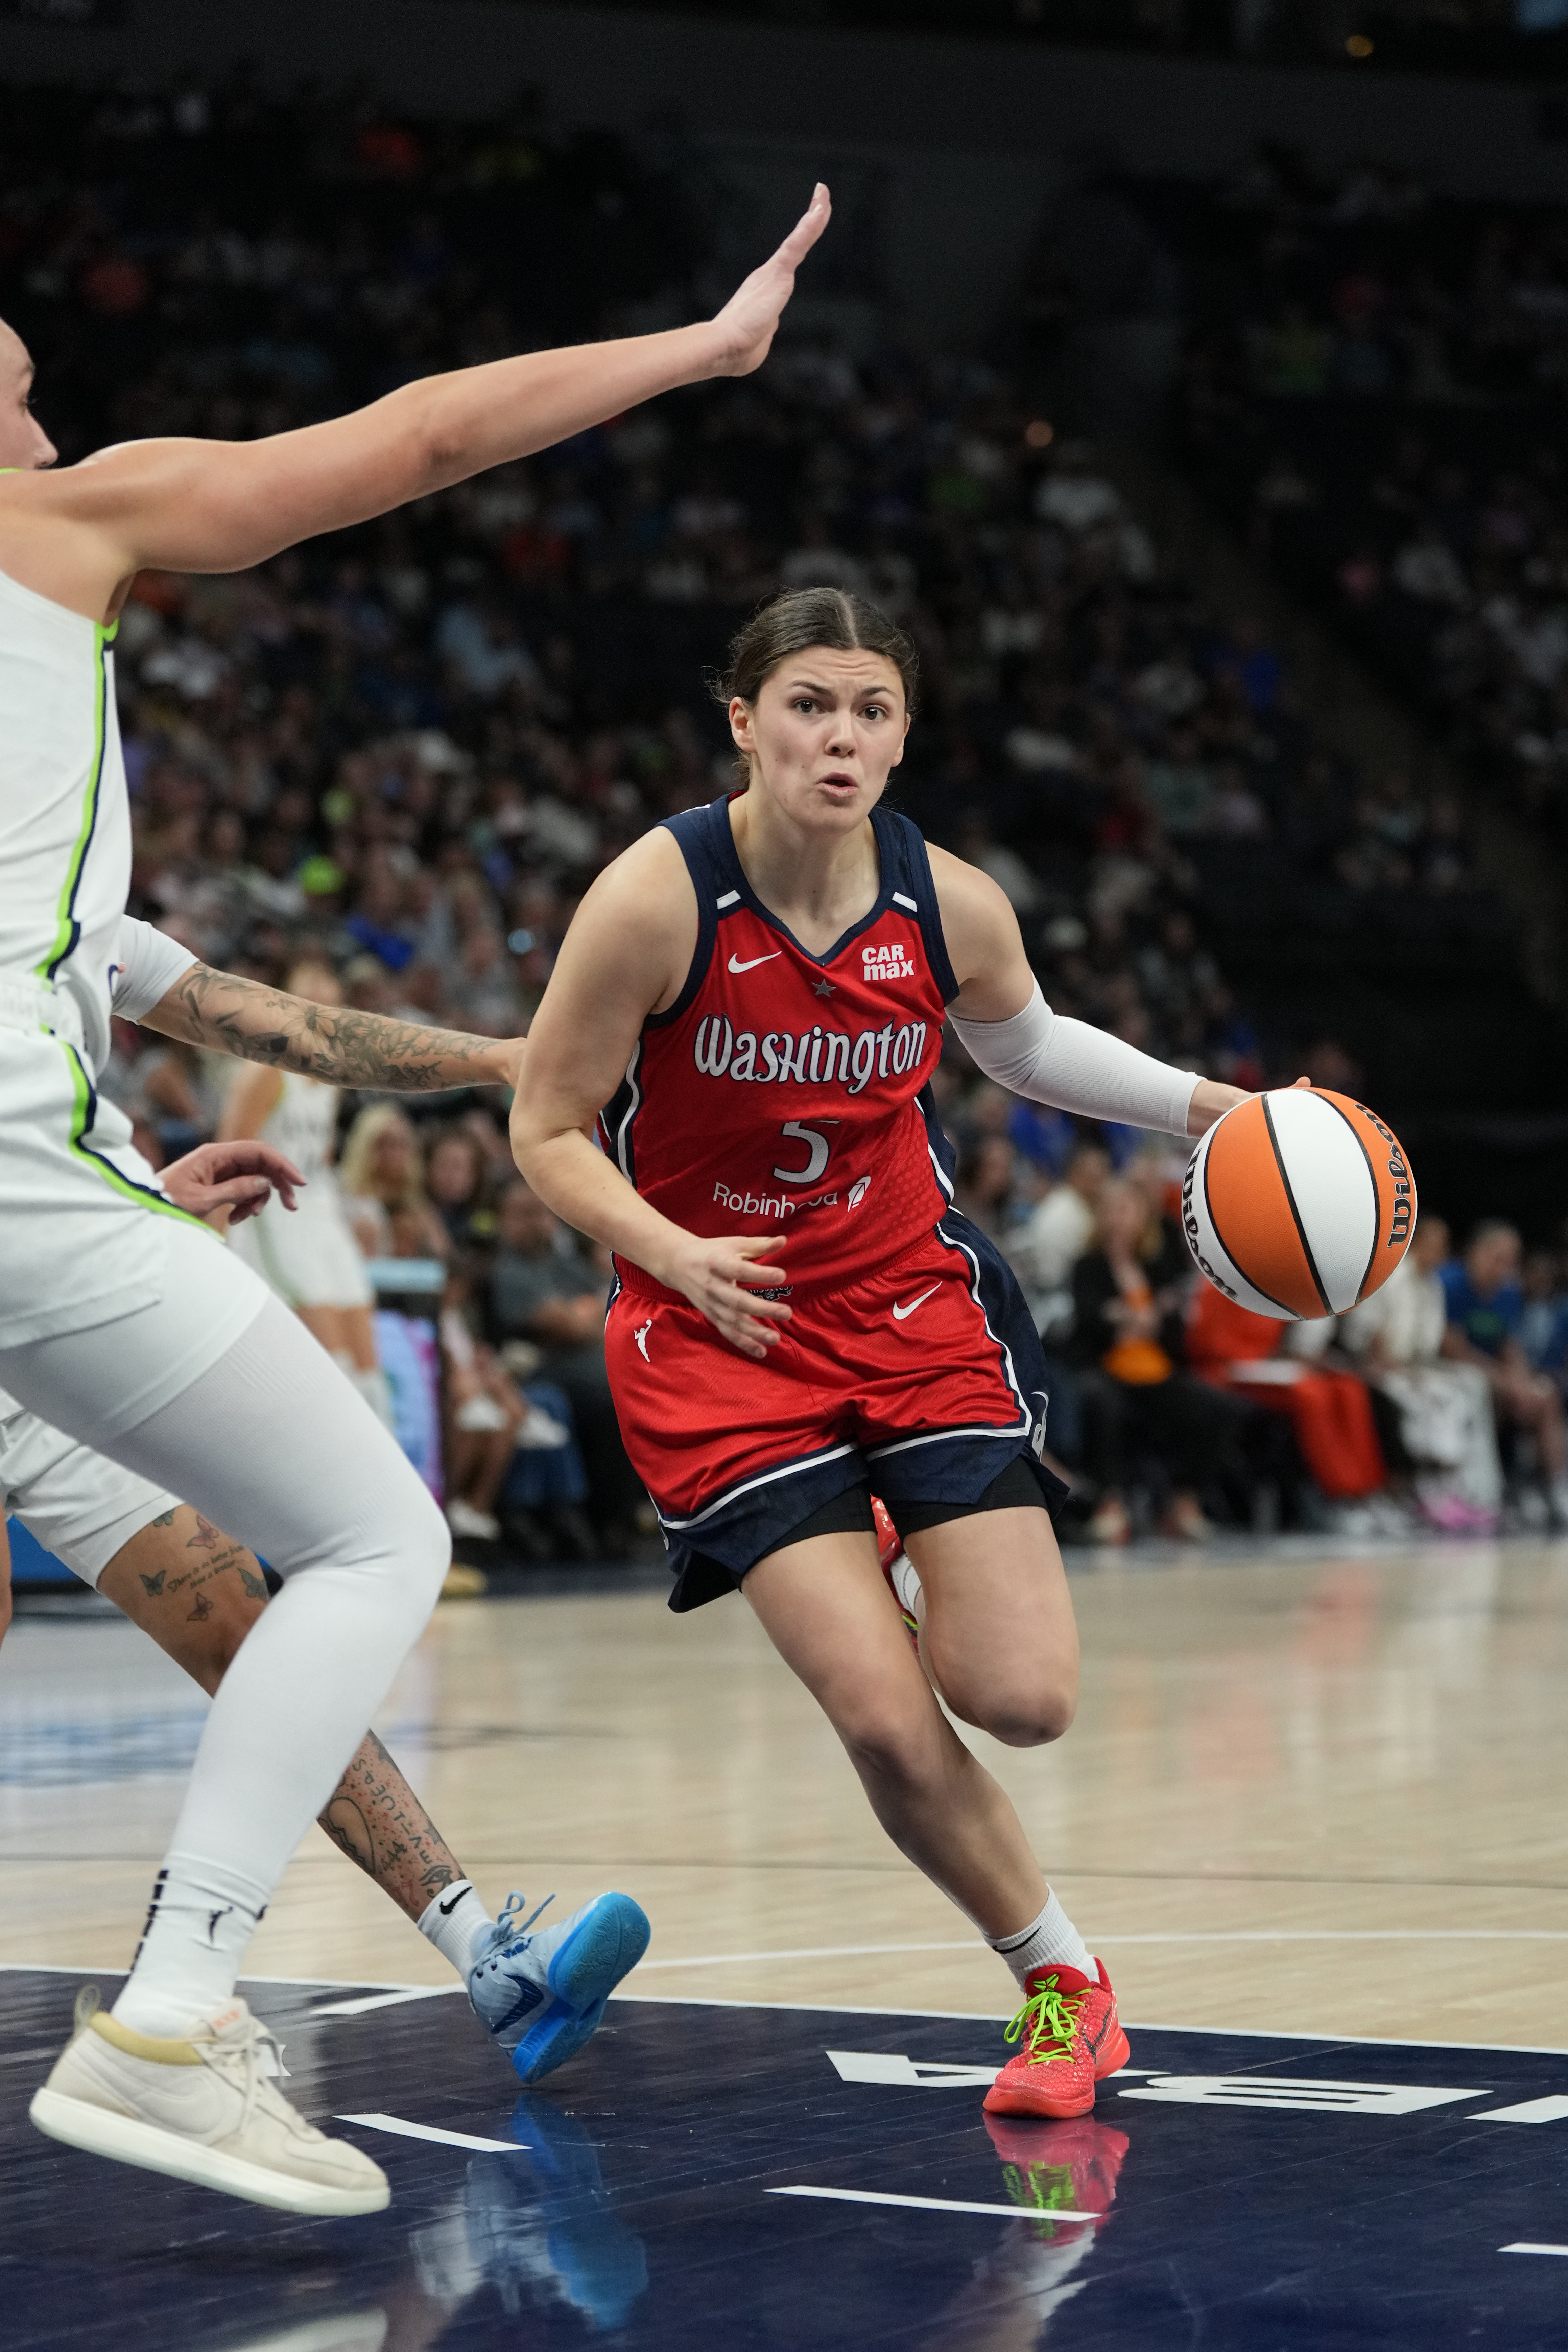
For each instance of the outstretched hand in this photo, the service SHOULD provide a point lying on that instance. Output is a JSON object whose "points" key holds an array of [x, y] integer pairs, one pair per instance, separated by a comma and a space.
{"points": [[239, 1178], [750, 319]]}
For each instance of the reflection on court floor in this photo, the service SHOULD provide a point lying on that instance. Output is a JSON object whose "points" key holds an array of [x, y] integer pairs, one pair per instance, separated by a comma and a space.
{"points": [[731, 2177]]}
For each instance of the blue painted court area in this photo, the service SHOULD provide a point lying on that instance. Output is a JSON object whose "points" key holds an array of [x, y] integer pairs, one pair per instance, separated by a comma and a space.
{"points": [[734, 2176]]}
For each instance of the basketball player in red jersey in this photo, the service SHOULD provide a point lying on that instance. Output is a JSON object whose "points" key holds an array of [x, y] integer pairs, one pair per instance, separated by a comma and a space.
{"points": [[755, 993]]}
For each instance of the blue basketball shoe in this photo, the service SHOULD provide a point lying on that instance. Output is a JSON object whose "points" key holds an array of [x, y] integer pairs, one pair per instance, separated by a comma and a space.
{"points": [[541, 1994]]}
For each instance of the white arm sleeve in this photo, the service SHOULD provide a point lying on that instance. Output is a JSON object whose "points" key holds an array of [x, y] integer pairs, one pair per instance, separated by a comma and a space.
{"points": [[147, 965], [1078, 1069]]}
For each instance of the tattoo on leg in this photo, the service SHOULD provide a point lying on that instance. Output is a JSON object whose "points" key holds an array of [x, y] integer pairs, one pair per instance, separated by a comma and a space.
{"points": [[376, 1819], [205, 1537], [347, 1827], [254, 1586], [164, 1519], [154, 1584], [202, 1612]]}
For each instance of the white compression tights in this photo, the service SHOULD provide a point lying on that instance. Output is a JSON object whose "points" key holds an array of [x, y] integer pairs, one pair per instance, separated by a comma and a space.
{"points": [[273, 1446]]}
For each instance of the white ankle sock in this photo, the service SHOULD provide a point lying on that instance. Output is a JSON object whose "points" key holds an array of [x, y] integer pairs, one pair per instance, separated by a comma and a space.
{"points": [[455, 1922], [1050, 1937], [906, 1584], [202, 1918]]}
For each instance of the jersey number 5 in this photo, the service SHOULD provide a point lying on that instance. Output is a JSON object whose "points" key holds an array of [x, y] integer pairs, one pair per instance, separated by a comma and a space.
{"points": [[817, 1147]]}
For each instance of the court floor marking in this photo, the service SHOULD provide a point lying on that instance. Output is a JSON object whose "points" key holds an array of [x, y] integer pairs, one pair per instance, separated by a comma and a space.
{"points": [[949, 2205], [1218, 1936], [861, 2009], [405, 2130], [1523, 2247]]}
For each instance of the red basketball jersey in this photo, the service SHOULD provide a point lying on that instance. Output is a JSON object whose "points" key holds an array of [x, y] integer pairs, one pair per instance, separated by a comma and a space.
{"points": [[785, 1092]]}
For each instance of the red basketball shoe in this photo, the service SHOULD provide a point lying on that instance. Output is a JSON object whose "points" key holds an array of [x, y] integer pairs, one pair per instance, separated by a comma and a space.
{"points": [[897, 1565], [1072, 2169], [1071, 2039]]}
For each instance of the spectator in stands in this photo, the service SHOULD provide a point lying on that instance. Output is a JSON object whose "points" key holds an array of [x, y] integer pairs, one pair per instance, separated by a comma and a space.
{"points": [[1444, 1407], [1044, 1252], [382, 1180], [542, 1289], [1254, 1357], [1543, 1327], [457, 1180], [1485, 1303], [1128, 1292]]}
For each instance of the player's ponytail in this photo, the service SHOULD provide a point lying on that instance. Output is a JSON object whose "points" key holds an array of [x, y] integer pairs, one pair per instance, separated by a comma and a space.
{"points": [[786, 624]]}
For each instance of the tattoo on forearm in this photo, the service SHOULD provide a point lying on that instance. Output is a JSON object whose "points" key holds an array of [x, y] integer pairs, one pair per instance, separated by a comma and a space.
{"points": [[332, 1042]]}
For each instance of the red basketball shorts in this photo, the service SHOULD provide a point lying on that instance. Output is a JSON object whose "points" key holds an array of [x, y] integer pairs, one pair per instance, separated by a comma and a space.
{"points": [[924, 1379]]}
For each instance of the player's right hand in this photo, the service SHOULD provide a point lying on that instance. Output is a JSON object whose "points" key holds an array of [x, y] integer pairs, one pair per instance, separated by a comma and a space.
{"points": [[749, 319], [715, 1274]]}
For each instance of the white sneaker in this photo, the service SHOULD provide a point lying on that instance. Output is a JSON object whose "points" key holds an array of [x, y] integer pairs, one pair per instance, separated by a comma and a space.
{"points": [[464, 1520], [202, 2109]]}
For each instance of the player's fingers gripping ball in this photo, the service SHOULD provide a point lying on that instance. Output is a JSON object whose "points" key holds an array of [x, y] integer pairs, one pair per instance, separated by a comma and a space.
{"points": [[1299, 1205]]}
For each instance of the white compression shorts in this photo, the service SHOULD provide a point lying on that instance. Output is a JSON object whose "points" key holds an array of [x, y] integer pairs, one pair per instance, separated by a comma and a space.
{"points": [[1078, 1069], [79, 1504]]}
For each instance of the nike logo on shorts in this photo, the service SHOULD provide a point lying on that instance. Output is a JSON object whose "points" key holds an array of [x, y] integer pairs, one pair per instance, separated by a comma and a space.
{"points": [[753, 961], [899, 1313]]}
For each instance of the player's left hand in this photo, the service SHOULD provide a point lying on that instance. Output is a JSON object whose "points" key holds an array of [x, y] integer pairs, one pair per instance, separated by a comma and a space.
{"points": [[1211, 1100], [239, 1177], [748, 320]]}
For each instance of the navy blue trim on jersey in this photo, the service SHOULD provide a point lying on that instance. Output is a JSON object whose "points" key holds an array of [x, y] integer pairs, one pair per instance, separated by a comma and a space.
{"points": [[920, 896], [618, 1117], [707, 844], [698, 840], [711, 1553]]}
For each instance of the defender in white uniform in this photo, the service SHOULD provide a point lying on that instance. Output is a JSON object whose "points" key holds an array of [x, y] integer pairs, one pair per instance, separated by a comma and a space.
{"points": [[130, 1327]]}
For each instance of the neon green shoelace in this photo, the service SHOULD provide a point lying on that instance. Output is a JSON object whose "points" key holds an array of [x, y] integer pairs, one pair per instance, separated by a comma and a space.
{"points": [[1049, 2019]]}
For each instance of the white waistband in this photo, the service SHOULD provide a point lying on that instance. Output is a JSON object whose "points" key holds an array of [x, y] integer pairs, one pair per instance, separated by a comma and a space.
{"points": [[30, 1004]]}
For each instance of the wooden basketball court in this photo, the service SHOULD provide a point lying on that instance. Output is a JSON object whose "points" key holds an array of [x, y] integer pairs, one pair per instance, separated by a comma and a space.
{"points": [[1308, 1789]]}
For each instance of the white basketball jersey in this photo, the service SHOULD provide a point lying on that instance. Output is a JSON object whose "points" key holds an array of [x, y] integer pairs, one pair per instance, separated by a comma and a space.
{"points": [[65, 818], [304, 1124]]}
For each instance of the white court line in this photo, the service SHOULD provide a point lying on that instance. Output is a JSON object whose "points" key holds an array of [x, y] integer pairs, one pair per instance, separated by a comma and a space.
{"points": [[1220, 1936], [957, 2205], [1524, 2248], [382, 2000], [881, 2009], [428, 2131]]}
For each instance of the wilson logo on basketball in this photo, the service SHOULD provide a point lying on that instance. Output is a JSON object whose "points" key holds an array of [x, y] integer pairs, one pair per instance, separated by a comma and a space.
{"points": [[1299, 1204]]}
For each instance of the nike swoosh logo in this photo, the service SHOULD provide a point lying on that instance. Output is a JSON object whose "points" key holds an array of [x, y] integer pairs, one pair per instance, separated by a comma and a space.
{"points": [[446, 1909], [900, 1312], [755, 960]]}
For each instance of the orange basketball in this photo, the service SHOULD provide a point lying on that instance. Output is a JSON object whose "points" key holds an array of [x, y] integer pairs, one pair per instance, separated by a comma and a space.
{"points": [[1299, 1204]]}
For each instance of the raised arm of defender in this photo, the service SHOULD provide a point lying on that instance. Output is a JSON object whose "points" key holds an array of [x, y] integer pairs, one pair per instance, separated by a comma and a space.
{"points": [[80, 535]]}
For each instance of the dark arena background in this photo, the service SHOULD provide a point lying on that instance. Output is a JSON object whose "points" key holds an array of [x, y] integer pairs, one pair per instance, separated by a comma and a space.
{"points": [[1189, 379]]}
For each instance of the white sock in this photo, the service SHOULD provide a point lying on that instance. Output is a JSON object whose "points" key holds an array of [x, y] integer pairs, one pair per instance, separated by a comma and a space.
{"points": [[906, 1584], [202, 1918], [456, 1923], [1050, 1939]]}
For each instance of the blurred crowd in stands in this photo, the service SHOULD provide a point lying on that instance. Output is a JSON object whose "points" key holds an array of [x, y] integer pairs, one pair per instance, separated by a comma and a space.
{"points": [[409, 748], [1376, 386]]}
